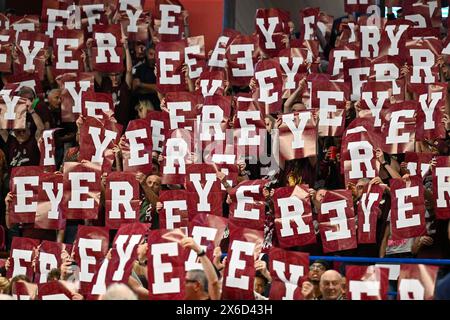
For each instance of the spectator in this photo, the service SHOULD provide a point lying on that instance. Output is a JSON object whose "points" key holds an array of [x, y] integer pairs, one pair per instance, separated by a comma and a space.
{"points": [[201, 284], [4, 285], [118, 291], [331, 285], [311, 288], [144, 82]]}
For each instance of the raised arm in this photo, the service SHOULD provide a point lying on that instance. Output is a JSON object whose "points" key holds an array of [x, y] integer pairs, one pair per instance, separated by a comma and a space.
{"points": [[208, 267]]}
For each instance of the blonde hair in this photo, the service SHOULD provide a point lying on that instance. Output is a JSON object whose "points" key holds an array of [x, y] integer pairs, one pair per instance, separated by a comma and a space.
{"points": [[4, 285], [145, 104]]}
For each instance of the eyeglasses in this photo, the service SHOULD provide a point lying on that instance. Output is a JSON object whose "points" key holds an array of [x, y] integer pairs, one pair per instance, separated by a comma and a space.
{"points": [[316, 267], [190, 281]]}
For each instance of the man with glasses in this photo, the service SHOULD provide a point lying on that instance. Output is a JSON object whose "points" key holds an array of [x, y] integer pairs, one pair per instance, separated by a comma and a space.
{"points": [[311, 287], [201, 284]]}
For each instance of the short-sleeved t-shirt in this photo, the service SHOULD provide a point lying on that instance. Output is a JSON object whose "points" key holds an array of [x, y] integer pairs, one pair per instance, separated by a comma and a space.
{"points": [[22, 154], [398, 246], [146, 74]]}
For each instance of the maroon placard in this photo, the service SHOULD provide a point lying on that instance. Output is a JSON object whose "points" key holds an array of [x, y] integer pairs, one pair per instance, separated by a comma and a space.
{"points": [[97, 105], [293, 63], [122, 202], [337, 224], [159, 124], [174, 213], [242, 55], [337, 57], [49, 258], [288, 271], [407, 208], [416, 282], [68, 45], [31, 47], [360, 6], [247, 209], [47, 148], [367, 283], [293, 217], [72, 87], [399, 127], [137, 147], [169, 18], [81, 190], [269, 88], [207, 230], [170, 58], [97, 139], [195, 56], [431, 112], [298, 134], [375, 99], [7, 39], [124, 252], [359, 143], [368, 213], [183, 108], [356, 73], [107, 54], [330, 98], [21, 256], [240, 268], [211, 83], [308, 23], [49, 214], [13, 111], [54, 290], [177, 153], [166, 269], [441, 194], [24, 184], [203, 190], [90, 249], [271, 26], [418, 163]]}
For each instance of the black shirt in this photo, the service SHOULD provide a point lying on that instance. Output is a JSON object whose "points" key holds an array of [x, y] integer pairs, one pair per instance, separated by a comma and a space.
{"points": [[146, 74]]}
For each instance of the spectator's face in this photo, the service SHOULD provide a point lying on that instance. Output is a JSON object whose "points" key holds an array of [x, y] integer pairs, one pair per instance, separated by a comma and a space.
{"points": [[331, 285], [28, 96], [115, 79], [259, 285], [291, 27], [154, 182], [360, 189], [268, 124], [55, 100], [151, 57], [22, 135], [298, 107], [191, 287], [320, 195], [316, 271], [142, 112], [139, 51]]}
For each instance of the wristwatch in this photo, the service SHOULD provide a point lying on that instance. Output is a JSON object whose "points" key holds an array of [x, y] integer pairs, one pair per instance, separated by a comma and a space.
{"points": [[201, 254]]}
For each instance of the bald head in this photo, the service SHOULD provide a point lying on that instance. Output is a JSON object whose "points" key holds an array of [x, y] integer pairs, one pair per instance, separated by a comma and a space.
{"points": [[154, 182], [118, 291], [331, 285], [54, 98]]}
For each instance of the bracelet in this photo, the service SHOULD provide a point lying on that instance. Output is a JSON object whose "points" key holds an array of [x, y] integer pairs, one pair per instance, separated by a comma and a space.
{"points": [[201, 254]]}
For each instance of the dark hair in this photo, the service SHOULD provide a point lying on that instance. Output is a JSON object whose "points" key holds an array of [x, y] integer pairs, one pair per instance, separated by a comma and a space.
{"points": [[258, 274], [54, 274]]}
